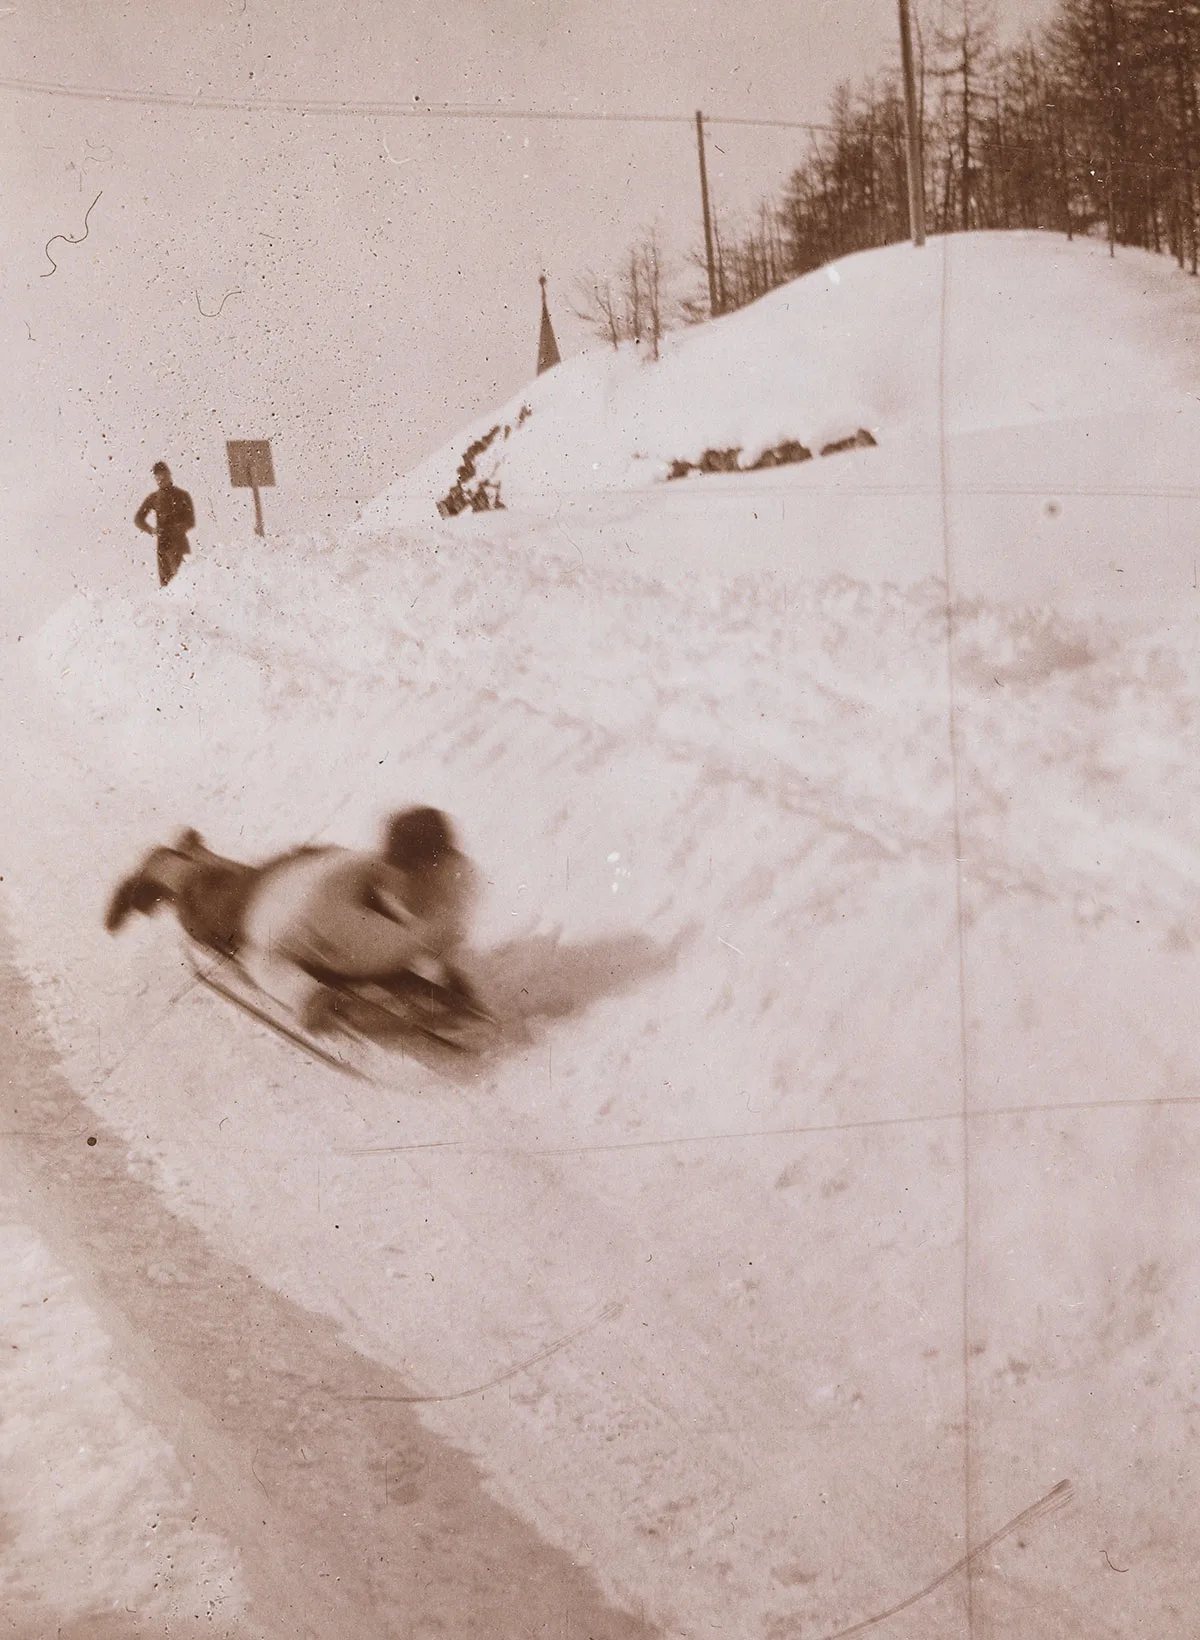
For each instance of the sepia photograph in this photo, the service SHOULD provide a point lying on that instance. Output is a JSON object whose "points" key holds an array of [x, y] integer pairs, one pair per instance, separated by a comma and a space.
{"points": [[600, 851]]}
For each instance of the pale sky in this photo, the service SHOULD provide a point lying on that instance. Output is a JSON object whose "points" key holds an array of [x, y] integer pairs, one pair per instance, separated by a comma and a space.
{"points": [[353, 288]]}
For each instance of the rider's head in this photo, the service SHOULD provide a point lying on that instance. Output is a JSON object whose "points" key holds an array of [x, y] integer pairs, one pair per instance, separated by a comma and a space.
{"points": [[161, 472], [417, 837]]}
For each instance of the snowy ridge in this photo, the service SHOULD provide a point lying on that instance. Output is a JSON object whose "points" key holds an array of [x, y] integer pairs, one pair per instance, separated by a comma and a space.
{"points": [[830, 697], [853, 345]]}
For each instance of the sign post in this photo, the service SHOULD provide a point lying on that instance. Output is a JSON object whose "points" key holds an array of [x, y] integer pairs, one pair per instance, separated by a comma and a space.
{"points": [[249, 467]]}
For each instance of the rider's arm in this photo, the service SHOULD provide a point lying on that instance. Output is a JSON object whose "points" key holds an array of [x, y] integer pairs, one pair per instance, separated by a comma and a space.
{"points": [[386, 895], [392, 906]]}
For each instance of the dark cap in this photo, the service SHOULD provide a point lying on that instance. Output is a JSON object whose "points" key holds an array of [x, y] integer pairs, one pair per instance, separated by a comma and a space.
{"points": [[160, 467], [417, 837]]}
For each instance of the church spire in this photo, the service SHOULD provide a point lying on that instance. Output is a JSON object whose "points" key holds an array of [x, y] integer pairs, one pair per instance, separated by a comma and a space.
{"points": [[548, 354]]}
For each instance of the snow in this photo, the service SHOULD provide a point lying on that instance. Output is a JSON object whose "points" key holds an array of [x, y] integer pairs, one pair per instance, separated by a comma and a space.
{"points": [[97, 1507], [855, 345], [698, 736]]}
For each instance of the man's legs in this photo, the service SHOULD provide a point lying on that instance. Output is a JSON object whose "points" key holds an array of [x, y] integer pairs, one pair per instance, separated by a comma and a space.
{"points": [[169, 559], [162, 875]]}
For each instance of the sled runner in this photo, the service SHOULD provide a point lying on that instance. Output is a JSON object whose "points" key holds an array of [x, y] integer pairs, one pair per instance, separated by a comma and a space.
{"points": [[365, 1019], [251, 1001]]}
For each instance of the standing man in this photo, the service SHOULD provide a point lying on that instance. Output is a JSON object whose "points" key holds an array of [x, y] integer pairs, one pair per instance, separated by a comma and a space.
{"points": [[174, 516]]}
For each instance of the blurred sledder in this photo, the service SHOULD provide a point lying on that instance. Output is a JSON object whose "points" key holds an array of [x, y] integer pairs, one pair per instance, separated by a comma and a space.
{"points": [[326, 943]]}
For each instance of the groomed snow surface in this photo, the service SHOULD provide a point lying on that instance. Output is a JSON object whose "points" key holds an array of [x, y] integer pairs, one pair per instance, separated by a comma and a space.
{"points": [[836, 1175]]}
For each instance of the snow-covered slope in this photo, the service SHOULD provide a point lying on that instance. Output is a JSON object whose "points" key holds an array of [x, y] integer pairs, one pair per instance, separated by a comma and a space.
{"points": [[1039, 331], [813, 913]]}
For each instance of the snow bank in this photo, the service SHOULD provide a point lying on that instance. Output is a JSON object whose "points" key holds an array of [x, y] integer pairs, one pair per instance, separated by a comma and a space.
{"points": [[717, 818], [1040, 330], [832, 695]]}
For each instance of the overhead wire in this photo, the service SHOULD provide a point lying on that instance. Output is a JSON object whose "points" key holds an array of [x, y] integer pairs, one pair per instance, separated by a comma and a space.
{"points": [[416, 109]]}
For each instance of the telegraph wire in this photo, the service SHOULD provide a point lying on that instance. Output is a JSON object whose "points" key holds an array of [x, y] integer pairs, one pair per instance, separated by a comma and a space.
{"points": [[382, 110], [418, 110]]}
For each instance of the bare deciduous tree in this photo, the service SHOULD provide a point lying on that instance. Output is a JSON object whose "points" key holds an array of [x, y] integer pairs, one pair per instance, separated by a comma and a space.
{"points": [[599, 305], [632, 305]]}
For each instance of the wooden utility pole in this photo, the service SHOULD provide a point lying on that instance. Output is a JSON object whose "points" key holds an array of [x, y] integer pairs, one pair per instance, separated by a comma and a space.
{"points": [[912, 128], [714, 306]]}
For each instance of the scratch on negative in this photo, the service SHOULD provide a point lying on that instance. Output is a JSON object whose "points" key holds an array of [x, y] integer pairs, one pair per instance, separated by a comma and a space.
{"points": [[406, 161], [224, 299], [606, 1314], [256, 1474], [67, 239], [1054, 1499]]}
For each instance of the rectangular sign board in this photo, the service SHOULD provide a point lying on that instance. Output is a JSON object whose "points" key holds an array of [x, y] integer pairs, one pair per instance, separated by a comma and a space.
{"points": [[250, 463]]}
